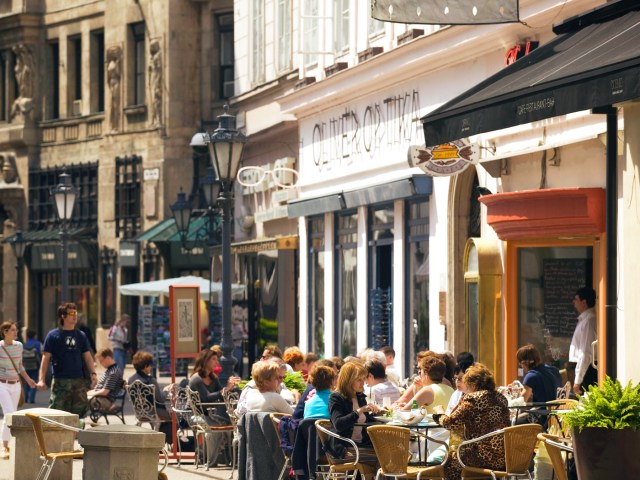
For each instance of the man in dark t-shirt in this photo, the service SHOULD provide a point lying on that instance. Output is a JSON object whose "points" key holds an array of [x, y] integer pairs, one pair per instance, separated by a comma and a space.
{"points": [[67, 349]]}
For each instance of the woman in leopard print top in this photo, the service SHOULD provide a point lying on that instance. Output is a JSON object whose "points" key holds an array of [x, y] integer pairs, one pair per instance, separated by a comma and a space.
{"points": [[481, 410]]}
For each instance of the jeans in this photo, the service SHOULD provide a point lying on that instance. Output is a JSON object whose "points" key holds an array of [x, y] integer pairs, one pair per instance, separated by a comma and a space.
{"points": [[120, 356], [30, 393]]}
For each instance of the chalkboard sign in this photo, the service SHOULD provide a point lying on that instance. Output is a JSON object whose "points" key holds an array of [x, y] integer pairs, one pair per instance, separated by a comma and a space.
{"points": [[562, 277]]}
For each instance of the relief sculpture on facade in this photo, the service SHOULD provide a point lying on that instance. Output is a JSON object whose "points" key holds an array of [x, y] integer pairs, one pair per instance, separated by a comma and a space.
{"points": [[9, 172], [114, 60], [155, 82], [23, 70]]}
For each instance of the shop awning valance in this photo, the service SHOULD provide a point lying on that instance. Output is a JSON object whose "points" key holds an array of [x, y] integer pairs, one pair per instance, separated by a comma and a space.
{"points": [[167, 231], [593, 62]]}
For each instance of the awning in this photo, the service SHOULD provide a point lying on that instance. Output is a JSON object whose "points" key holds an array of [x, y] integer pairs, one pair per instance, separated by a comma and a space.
{"points": [[594, 62], [167, 231], [40, 236], [161, 287]]}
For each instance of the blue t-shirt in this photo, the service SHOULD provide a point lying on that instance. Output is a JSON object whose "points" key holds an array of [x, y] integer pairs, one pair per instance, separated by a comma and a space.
{"points": [[318, 405], [67, 348], [544, 380]]}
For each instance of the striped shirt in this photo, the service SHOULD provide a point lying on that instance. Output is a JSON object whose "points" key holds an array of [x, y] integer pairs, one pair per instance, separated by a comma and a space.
{"points": [[111, 379], [7, 371]]}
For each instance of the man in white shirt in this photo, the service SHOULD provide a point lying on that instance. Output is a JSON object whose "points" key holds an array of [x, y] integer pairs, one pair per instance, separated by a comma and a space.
{"points": [[380, 387], [393, 375], [580, 351]]}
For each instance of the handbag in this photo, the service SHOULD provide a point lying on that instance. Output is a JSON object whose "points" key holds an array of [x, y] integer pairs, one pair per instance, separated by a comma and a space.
{"points": [[21, 400]]}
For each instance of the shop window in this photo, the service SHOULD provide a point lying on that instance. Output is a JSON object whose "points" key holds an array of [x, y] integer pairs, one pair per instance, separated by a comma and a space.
{"points": [[97, 64], [127, 196], [257, 42], [548, 278], [417, 268], [283, 37], [225, 55], [346, 272], [317, 258], [380, 276], [340, 26]]}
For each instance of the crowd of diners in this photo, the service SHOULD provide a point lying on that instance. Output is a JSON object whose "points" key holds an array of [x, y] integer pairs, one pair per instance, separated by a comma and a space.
{"points": [[458, 392]]}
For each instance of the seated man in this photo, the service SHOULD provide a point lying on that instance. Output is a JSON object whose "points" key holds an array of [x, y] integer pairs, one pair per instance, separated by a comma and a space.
{"points": [[379, 384], [110, 382]]}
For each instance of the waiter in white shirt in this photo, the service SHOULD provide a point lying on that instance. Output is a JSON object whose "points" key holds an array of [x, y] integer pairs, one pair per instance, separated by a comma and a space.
{"points": [[580, 351]]}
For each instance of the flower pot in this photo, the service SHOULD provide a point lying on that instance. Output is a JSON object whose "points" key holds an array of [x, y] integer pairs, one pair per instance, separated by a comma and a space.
{"points": [[606, 453]]}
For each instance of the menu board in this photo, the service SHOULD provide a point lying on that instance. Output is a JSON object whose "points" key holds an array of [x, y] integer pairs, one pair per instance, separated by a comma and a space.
{"points": [[562, 278]]}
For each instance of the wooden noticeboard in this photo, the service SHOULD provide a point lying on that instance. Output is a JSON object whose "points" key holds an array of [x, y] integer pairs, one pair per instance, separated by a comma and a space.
{"points": [[562, 278]]}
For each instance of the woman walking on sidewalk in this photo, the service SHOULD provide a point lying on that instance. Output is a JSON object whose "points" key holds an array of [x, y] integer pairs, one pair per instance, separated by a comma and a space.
{"points": [[11, 370]]}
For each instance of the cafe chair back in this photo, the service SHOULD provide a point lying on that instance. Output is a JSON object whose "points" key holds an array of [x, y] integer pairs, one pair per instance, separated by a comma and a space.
{"points": [[50, 458], [391, 444], [351, 465], [557, 448], [519, 447], [143, 400], [275, 420], [116, 408], [555, 424]]}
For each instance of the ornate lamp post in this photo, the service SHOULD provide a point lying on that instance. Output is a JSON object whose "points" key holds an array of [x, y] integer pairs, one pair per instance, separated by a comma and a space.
{"points": [[225, 150], [64, 195], [18, 245]]}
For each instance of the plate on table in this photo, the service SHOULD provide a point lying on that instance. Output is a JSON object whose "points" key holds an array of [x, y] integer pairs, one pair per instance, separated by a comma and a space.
{"points": [[382, 419]]}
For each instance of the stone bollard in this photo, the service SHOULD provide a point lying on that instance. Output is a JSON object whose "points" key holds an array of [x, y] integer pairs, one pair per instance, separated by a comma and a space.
{"points": [[120, 451], [25, 459]]}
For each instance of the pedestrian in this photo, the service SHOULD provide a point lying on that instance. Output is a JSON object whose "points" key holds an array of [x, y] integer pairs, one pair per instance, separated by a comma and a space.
{"points": [[31, 357], [118, 336], [580, 351], [67, 349], [11, 369]]}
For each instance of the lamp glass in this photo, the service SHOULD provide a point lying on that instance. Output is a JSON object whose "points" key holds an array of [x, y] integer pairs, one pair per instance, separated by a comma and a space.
{"points": [[18, 245], [211, 187], [181, 212]]}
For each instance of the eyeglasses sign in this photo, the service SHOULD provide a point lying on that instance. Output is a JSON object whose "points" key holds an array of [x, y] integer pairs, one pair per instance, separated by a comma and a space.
{"points": [[261, 179]]}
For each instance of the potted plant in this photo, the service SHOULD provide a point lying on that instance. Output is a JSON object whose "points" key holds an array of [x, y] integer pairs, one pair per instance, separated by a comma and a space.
{"points": [[606, 431]]}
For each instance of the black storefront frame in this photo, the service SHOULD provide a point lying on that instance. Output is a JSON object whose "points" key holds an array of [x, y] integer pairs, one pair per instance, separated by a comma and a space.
{"points": [[338, 248]]}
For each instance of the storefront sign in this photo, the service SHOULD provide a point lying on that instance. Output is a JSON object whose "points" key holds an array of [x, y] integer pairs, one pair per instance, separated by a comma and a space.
{"points": [[445, 159], [194, 258], [446, 12], [46, 257], [519, 51], [358, 134], [129, 254]]}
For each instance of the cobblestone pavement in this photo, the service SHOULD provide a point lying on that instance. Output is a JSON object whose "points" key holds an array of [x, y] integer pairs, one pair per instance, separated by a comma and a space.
{"points": [[186, 471]]}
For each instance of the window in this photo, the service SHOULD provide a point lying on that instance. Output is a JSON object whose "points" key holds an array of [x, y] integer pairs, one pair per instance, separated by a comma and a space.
{"points": [[127, 196], [376, 27], [316, 284], [283, 37], [226, 55], [52, 87], [97, 60], [74, 75], [380, 276], [4, 108], [340, 26], [417, 285], [257, 41], [347, 270], [136, 94], [42, 210], [311, 32]]}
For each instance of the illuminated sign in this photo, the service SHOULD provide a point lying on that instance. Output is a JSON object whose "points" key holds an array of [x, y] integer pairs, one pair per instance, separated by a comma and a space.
{"points": [[445, 159]]}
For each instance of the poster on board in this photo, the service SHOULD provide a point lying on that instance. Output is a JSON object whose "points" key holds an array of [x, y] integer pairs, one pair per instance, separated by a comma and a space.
{"points": [[184, 313]]}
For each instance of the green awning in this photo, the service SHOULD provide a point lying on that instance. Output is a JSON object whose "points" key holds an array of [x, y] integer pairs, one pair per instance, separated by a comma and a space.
{"points": [[167, 231], [41, 236]]}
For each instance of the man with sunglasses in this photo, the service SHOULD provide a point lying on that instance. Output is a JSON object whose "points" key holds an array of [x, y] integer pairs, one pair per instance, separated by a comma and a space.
{"points": [[67, 349]]}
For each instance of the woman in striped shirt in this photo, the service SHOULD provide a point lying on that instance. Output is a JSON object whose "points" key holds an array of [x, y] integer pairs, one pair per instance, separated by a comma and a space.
{"points": [[10, 354]]}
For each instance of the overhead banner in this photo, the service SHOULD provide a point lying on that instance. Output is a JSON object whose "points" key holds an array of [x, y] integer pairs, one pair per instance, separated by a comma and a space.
{"points": [[444, 160], [446, 12]]}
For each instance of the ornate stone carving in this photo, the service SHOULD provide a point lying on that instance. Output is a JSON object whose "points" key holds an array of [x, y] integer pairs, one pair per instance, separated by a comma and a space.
{"points": [[155, 82], [114, 72], [9, 170], [23, 69]]}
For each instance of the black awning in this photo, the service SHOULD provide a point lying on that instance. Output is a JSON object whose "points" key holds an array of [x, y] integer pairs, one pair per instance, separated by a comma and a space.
{"points": [[594, 62]]}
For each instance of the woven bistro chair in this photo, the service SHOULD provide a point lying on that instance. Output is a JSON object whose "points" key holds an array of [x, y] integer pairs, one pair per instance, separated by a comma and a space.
{"points": [[519, 447], [391, 444], [275, 420], [555, 424], [557, 448], [348, 466]]}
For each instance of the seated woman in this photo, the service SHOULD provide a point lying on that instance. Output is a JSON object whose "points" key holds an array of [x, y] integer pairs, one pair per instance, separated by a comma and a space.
{"points": [[541, 381], [143, 363], [481, 410], [433, 392], [348, 406], [323, 380], [265, 397], [206, 383]]}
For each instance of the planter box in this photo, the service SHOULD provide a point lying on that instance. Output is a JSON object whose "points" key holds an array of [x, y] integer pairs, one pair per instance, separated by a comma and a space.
{"points": [[603, 453]]}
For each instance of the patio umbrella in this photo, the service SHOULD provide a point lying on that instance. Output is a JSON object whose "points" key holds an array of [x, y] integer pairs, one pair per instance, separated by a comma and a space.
{"points": [[161, 287]]}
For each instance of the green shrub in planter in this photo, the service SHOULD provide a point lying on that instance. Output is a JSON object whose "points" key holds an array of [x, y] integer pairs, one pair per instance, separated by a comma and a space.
{"points": [[606, 431]]}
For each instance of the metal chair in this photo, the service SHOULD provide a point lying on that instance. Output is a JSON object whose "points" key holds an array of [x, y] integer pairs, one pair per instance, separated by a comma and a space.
{"points": [[231, 401], [178, 405], [201, 425], [519, 447], [143, 400], [350, 466], [275, 420], [50, 458], [391, 444], [558, 448], [97, 410]]}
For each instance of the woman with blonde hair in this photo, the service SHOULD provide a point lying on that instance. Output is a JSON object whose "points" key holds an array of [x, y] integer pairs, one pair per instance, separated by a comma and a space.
{"points": [[268, 376], [348, 406]]}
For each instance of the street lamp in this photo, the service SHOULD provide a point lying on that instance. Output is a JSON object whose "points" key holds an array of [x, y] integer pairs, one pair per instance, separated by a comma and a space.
{"points": [[18, 245], [225, 151], [64, 195]]}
